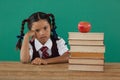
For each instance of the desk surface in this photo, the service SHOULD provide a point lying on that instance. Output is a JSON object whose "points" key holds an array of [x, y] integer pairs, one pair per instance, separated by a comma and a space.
{"points": [[19, 71]]}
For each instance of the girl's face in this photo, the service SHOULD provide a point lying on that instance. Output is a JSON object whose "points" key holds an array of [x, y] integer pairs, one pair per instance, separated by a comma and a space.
{"points": [[42, 30]]}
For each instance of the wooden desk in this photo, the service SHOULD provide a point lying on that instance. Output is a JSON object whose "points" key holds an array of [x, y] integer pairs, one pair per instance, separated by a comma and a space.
{"points": [[19, 71]]}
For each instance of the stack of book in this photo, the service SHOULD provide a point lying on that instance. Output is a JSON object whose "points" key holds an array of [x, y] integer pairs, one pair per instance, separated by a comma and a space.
{"points": [[86, 51]]}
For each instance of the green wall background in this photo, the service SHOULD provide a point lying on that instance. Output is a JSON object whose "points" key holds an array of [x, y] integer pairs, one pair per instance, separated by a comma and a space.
{"points": [[104, 15]]}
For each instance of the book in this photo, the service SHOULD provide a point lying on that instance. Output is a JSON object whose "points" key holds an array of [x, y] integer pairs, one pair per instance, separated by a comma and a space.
{"points": [[86, 51], [86, 61], [87, 48], [86, 67], [86, 36], [85, 42], [86, 55]]}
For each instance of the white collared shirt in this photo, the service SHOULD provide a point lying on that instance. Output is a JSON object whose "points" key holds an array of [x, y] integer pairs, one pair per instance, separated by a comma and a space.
{"points": [[62, 47]]}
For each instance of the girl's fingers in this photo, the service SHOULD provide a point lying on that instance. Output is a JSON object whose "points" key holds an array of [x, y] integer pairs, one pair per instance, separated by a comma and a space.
{"points": [[44, 62], [32, 39], [38, 61]]}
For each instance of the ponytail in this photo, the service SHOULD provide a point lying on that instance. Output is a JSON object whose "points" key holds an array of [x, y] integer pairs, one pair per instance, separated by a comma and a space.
{"points": [[53, 26], [20, 37]]}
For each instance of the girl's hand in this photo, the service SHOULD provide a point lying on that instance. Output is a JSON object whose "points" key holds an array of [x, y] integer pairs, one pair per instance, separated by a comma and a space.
{"points": [[30, 34], [38, 61]]}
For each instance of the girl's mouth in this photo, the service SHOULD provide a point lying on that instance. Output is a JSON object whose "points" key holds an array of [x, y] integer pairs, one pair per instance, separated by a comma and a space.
{"points": [[43, 37]]}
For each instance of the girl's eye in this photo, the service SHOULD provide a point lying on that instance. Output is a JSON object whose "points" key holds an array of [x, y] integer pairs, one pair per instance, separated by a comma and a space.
{"points": [[45, 28], [37, 30]]}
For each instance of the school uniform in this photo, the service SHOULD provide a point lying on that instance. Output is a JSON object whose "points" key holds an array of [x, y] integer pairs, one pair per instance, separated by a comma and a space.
{"points": [[55, 48]]}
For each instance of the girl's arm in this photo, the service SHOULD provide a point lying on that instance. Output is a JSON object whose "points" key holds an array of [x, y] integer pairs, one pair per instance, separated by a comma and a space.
{"points": [[60, 59], [24, 53]]}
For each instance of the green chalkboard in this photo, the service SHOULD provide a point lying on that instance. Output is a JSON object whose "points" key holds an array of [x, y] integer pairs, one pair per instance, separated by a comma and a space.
{"points": [[104, 15]]}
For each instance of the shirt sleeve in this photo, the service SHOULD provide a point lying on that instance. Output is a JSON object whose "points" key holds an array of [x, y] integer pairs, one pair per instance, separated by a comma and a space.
{"points": [[62, 47], [30, 51]]}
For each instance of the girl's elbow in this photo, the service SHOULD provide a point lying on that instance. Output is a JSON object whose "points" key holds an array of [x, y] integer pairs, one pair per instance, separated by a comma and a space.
{"points": [[24, 61]]}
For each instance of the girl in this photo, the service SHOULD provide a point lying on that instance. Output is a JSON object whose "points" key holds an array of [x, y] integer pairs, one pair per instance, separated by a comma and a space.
{"points": [[41, 44]]}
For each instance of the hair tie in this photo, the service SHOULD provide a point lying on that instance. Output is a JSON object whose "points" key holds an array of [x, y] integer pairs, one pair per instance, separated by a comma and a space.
{"points": [[48, 15], [20, 36], [28, 20]]}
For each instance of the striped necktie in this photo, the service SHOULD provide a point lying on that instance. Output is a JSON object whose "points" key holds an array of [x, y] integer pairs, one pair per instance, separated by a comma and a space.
{"points": [[45, 55]]}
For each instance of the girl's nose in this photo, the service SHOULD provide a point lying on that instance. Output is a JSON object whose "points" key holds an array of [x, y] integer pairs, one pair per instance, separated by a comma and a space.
{"points": [[42, 32]]}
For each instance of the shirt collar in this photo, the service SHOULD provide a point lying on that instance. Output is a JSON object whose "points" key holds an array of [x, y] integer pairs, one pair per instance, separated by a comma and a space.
{"points": [[38, 45]]}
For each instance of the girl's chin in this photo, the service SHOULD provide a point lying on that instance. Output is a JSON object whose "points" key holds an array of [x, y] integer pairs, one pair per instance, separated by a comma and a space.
{"points": [[43, 40]]}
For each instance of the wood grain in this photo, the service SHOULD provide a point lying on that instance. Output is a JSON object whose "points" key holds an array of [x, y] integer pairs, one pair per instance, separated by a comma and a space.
{"points": [[19, 71]]}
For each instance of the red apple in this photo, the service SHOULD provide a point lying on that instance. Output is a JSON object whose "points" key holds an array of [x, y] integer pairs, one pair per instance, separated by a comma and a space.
{"points": [[84, 27]]}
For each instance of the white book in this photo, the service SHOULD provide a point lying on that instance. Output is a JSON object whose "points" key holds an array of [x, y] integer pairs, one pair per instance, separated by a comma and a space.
{"points": [[86, 55], [85, 42], [86, 36], [100, 49], [86, 61], [86, 67]]}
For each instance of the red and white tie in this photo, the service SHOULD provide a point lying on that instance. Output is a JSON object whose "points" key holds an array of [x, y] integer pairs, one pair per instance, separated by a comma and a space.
{"points": [[45, 55]]}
